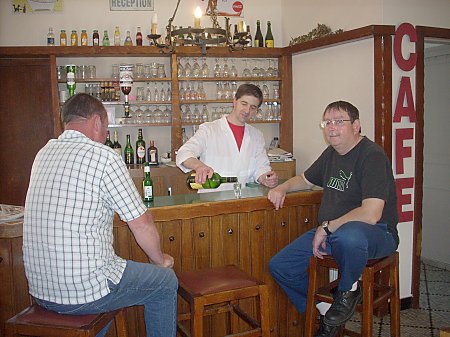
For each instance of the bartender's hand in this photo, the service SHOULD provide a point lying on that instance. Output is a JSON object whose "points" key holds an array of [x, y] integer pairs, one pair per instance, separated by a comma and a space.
{"points": [[277, 195], [167, 262], [269, 179], [202, 172]]}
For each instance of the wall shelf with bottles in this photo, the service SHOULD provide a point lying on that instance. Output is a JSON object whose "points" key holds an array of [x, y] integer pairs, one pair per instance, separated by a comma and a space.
{"points": [[168, 133]]}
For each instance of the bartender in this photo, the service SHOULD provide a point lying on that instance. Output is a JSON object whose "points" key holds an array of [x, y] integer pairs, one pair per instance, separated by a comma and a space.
{"points": [[230, 146]]}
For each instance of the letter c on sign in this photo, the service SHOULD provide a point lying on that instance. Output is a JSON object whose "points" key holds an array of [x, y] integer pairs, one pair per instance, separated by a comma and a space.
{"points": [[402, 30]]}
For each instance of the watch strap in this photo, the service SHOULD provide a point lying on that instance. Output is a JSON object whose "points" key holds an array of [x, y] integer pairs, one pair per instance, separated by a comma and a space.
{"points": [[325, 227]]}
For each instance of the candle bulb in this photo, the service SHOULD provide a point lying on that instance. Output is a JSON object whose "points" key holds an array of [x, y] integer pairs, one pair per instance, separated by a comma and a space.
{"points": [[197, 17], [154, 28]]}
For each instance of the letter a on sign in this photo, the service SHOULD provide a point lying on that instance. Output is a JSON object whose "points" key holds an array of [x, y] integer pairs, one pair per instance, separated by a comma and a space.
{"points": [[405, 111]]}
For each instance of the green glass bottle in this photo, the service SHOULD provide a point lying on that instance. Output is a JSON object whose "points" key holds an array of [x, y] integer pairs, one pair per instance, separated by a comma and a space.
{"points": [[108, 141], [215, 181], [129, 152], [147, 184], [105, 41], [140, 148], [269, 36], [116, 146], [258, 40]]}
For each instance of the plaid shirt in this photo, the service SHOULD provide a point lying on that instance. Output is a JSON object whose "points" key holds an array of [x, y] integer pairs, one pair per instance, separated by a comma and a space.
{"points": [[76, 186]]}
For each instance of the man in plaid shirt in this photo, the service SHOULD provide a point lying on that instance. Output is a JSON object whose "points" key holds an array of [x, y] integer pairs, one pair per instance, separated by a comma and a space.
{"points": [[76, 186]]}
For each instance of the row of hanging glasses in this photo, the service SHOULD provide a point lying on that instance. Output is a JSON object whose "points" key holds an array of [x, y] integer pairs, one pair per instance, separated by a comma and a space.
{"points": [[268, 111], [189, 92], [223, 68], [154, 94], [225, 90], [199, 114], [153, 114]]}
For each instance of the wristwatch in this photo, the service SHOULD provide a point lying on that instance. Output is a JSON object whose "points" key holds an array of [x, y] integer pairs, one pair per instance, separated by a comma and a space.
{"points": [[325, 227]]}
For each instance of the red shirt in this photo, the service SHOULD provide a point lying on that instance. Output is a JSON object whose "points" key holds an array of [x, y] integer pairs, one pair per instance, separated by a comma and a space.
{"points": [[238, 132]]}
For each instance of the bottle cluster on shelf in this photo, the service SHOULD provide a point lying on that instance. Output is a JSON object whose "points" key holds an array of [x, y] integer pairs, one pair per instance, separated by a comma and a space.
{"points": [[141, 155], [138, 38]]}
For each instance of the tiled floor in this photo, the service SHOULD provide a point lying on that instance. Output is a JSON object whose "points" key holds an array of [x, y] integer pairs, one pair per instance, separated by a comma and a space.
{"points": [[434, 311]]}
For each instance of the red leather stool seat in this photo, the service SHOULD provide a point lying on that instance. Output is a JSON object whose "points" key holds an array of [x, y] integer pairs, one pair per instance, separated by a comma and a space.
{"points": [[37, 321]]}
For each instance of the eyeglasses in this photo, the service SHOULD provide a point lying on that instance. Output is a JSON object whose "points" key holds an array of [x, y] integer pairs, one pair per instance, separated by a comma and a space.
{"points": [[335, 122]]}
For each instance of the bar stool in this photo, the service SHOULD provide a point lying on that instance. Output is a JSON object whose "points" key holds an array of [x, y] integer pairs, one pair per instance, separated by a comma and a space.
{"points": [[217, 290], [37, 321], [376, 291]]}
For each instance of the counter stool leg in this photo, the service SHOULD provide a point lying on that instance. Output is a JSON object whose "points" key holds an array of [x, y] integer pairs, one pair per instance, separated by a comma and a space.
{"points": [[121, 326], [310, 319], [367, 300], [264, 310], [395, 298], [197, 309]]}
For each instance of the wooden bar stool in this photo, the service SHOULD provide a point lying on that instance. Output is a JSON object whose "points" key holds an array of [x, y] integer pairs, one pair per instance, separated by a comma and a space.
{"points": [[37, 321], [376, 292], [217, 290]]}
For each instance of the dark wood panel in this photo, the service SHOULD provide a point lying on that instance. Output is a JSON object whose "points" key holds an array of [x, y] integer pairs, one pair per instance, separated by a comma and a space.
{"points": [[26, 122]]}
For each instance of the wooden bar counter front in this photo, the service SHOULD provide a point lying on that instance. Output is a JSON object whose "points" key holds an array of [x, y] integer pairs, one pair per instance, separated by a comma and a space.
{"points": [[199, 231]]}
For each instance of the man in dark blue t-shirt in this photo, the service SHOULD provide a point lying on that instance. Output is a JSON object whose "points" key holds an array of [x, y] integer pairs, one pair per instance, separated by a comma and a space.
{"points": [[358, 215]]}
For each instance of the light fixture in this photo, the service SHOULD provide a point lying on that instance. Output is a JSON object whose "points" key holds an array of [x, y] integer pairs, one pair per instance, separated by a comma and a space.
{"points": [[201, 36]]}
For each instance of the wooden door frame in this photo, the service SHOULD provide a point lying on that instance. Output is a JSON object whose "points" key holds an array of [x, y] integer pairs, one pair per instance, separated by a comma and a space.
{"points": [[423, 33]]}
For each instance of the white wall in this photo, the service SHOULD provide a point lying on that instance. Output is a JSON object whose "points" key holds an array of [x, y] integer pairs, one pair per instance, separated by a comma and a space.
{"points": [[31, 29], [436, 171], [343, 72]]}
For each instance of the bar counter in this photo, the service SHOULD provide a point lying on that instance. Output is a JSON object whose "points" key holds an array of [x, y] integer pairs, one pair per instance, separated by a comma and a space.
{"points": [[199, 231]]}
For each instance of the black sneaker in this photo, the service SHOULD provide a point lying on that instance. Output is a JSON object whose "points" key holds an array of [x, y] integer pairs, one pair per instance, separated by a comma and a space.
{"points": [[326, 330], [343, 306]]}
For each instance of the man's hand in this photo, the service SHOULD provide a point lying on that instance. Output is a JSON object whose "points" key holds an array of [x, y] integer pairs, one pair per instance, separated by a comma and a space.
{"points": [[277, 195], [269, 179], [167, 261], [319, 243], [203, 172]]}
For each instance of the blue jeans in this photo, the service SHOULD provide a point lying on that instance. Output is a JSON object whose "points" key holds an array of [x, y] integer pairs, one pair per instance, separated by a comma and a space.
{"points": [[351, 245], [142, 284]]}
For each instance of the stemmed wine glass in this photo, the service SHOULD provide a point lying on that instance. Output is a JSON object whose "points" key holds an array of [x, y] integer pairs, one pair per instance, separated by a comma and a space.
{"points": [[265, 91], [187, 68], [217, 69], [196, 71], [255, 70], [205, 68], [226, 68], [246, 72], [233, 70], [181, 72]]}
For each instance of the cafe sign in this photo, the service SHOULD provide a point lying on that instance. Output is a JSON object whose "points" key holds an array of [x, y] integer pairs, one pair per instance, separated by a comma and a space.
{"points": [[131, 5]]}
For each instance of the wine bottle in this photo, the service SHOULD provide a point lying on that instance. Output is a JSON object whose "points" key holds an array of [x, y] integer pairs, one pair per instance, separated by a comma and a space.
{"points": [[249, 38], [129, 152], [215, 181], [153, 154], [108, 141], [116, 146], [140, 148], [258, 40], [269, 36], [235, 35], [147, 184]]}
